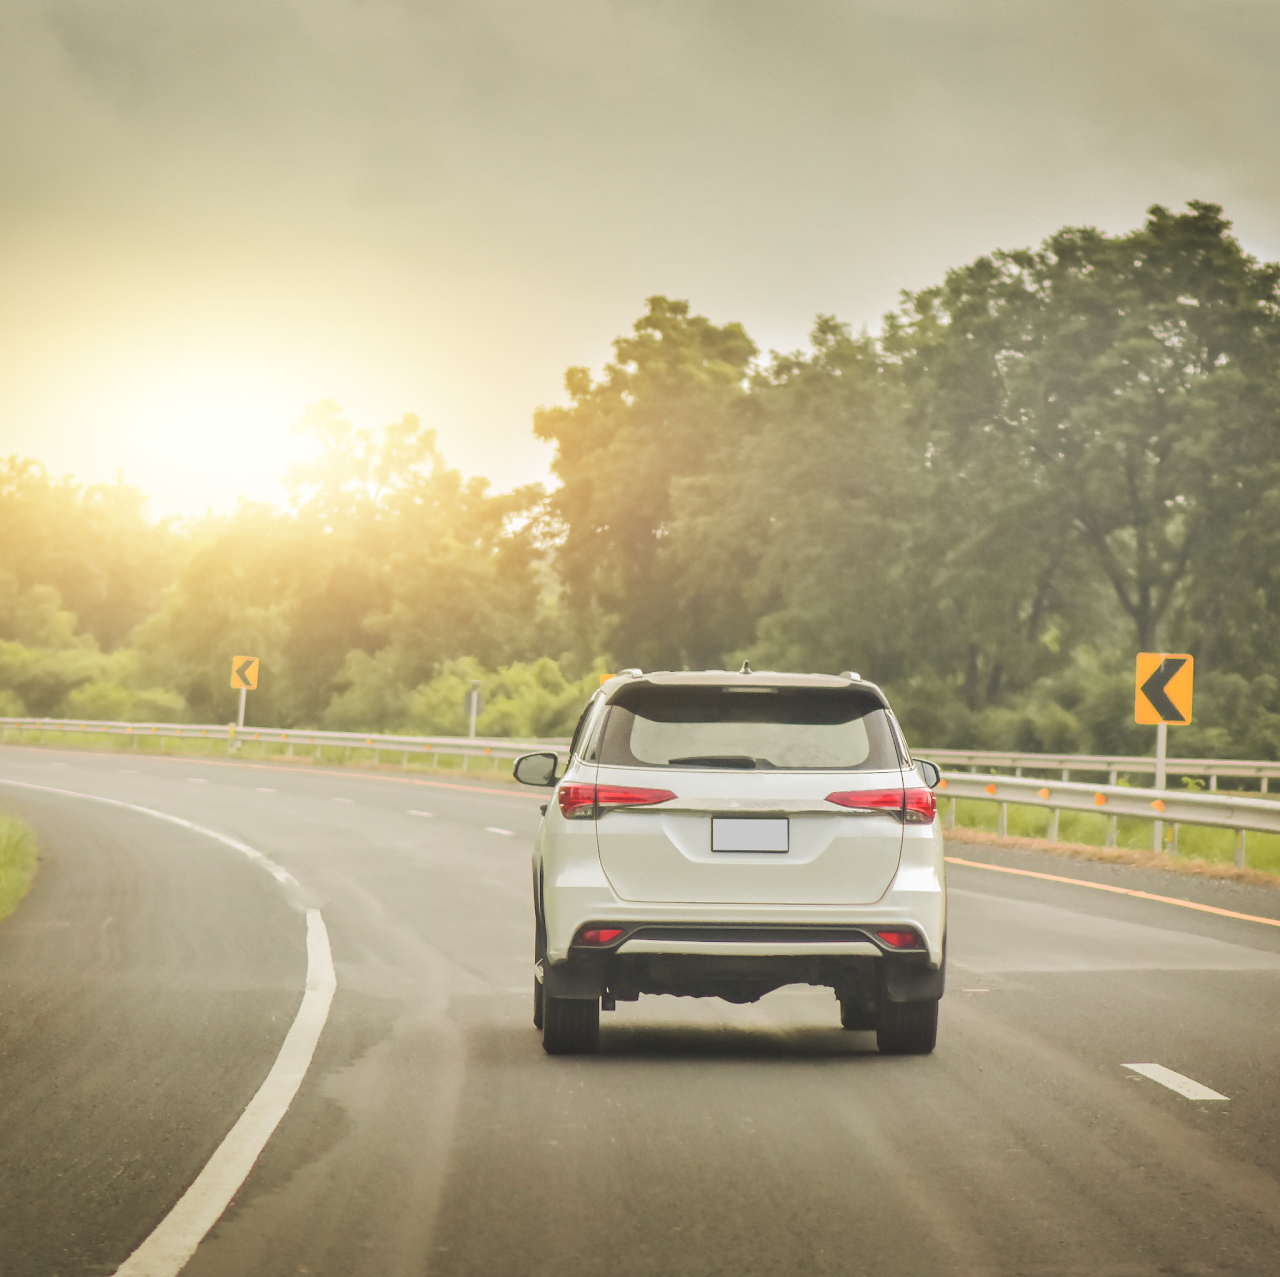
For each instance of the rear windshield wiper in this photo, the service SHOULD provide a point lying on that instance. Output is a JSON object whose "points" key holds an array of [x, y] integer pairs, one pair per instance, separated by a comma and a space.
{"points": [[743, 761]]}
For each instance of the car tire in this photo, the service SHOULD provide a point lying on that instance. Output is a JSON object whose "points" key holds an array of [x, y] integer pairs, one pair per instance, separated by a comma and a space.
{"points": [[907, 1028], [570, 1026], [537, 1003], [857, 1014]]}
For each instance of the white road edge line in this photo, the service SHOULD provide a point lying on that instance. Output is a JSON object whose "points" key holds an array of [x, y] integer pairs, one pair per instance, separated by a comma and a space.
{"points": [[174, 1240], [166, 1252], [493, 829], [1176, 1082], [420, 813]]}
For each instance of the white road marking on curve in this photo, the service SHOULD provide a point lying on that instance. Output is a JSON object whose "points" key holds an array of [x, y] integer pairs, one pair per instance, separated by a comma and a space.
{"points": [[1186, 1086], [176, 1237], [421, 813], [197, 780], [344, 800], [166, 1251], [493, 829], [262, 789]]}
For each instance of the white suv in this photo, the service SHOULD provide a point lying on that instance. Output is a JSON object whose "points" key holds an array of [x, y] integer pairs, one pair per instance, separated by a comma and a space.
{"points": [[723, 834]]}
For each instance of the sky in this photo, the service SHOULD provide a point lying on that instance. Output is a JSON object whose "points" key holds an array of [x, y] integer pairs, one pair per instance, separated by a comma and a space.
{"points": [[216, 212]]}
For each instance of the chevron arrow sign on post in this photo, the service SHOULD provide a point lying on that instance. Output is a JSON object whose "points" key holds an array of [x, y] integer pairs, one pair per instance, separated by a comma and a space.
{"points": [[1163, 689], [1162, 695]]}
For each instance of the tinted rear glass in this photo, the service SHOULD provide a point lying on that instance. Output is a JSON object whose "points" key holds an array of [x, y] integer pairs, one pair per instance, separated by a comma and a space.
{"points": [[796, 728]]}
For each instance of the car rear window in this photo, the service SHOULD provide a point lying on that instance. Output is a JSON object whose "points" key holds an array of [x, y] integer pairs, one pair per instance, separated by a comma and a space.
{"points": [[739, 728]]}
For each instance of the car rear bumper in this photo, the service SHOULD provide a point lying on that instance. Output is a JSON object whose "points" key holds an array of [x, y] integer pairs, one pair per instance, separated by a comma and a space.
{"points": [[869, 974]]}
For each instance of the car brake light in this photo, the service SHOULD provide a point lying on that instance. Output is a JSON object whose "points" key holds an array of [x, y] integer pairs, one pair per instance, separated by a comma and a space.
{"points": [[886, 800], [577, 802], [920, 807], [599, 935], [915, 806], [629, 796], [586, 802], [899, 939]]}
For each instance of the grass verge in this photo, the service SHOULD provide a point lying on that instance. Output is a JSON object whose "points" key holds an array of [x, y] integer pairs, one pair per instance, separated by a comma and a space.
{"points": [[429, 764], [17, 861], [1202, 851]]}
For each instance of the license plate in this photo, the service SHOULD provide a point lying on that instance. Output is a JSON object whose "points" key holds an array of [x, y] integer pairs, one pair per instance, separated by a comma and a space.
{"points": [[729, 833]]}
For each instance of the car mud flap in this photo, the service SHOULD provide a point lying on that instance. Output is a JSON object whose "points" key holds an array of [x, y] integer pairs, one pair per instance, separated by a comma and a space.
{"points": [[579, 980], [912, 979]]}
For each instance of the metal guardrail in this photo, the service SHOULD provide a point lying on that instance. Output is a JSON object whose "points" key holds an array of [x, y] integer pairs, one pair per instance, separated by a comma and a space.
{"points": [[1163, 806], [1174, 807], [1111, 765], [465, 747]]}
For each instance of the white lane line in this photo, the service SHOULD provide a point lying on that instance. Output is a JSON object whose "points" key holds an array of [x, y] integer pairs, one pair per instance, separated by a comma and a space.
{"points": [[1176, 1082], [197, 780], [129, 771], [166, 1251], [262, 789], [493, 829], [279, 874], [176, 1237], [421, 813], [344, 800]]}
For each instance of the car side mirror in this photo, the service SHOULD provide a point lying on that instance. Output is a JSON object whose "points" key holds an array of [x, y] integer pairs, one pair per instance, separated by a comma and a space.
{"points": [[929, 772], [536, 769]]}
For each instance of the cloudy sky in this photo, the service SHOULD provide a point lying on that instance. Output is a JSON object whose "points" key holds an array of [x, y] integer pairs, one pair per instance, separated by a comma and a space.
{"points": [[214, 212]]}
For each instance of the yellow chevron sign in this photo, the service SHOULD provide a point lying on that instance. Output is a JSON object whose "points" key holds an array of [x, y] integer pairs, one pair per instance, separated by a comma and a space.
{"points": [[1162, 693], [244, 672]]}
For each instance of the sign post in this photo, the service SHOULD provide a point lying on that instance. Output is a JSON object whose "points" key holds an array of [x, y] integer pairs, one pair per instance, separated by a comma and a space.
{"points": [[1162, 695], [244, 676], [473, 698]]}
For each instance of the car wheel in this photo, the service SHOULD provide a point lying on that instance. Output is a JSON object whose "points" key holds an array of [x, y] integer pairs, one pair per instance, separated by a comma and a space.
{"points": [[537, 1003], [570, 1026], [857, 1014], [907, 1028]]}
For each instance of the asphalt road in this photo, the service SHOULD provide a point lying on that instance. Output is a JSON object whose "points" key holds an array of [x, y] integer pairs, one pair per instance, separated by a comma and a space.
{"points": [[148, 981]]}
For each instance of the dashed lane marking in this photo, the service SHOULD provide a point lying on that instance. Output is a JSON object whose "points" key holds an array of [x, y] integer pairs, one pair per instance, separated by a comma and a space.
{"points": [[1186, 1086], [197, 780], [1119, 891], [493, 829], [262, 789], [344, 800], [421, 813]]}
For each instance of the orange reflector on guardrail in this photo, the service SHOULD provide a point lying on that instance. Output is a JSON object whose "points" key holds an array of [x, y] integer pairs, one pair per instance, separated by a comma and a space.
{"points": [[1099, 800], [1158, 804], [942, 784], [991, 789]]}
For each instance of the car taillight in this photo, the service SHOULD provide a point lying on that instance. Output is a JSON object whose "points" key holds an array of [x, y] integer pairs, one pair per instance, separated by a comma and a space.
{"points": [[886, 800], [920, 807], [586, 802], [915, 806], [629, 796], [598, 935], [577, 802], [899, 939]]}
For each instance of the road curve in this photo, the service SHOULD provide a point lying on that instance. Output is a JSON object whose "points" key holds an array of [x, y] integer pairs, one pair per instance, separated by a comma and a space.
{"points": [[148, 981]]}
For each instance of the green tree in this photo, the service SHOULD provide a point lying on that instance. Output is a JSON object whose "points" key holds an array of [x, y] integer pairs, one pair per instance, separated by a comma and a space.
{"points": [[667, 407], [1126, 381]]}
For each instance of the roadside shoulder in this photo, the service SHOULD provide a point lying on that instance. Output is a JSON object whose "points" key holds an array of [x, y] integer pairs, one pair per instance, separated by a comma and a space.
{"points": [[1242, 891]]}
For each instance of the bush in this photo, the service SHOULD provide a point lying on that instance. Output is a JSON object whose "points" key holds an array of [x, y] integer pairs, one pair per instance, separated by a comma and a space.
{"points": [[17, 861]]}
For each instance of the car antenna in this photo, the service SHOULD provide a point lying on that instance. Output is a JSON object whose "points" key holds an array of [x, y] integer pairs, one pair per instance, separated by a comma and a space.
{"points": [[746, 668]]}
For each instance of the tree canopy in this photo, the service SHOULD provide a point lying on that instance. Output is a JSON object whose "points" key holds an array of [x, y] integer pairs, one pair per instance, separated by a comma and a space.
{"points": [[1051, 459]]}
